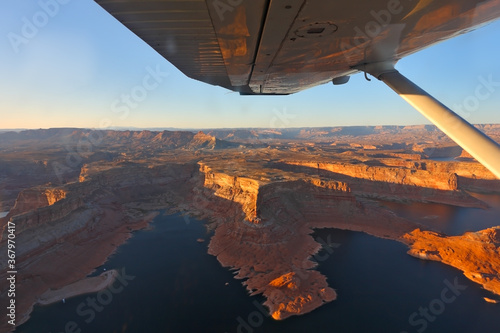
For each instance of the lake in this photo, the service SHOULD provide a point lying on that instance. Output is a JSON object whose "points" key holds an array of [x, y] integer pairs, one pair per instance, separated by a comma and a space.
{"points": [[173, 285]]}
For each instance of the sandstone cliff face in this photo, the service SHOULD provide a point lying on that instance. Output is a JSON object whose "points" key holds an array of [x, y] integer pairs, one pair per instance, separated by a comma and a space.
{"points": [[241, 190], [469, 175], [57, 228], [21, 174], [34, 198], [409, 181], [44, 212], [415, 177], [270, 244], [42, 216], [477, 254]]}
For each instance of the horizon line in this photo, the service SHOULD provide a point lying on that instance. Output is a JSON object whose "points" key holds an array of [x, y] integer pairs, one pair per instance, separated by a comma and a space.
{"points": [[133, 128]]}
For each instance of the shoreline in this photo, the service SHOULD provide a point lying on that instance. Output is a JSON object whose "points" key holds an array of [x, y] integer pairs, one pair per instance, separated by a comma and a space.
{"points": [[250, 249], [474, 253], [82, 287], [87, 285], [103, 246]]}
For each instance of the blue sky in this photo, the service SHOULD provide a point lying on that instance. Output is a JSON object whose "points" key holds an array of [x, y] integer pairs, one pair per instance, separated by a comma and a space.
{"points": [[73, 70]]}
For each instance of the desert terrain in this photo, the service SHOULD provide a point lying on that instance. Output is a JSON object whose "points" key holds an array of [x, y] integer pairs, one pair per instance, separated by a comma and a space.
{"points": [[75, 195]]}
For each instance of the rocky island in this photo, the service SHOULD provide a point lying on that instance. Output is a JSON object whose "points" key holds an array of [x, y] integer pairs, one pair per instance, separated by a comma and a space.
{"points": [[71, 192]]}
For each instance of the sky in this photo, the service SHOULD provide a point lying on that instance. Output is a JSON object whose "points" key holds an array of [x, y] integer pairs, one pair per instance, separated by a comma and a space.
{"points": [[73, 70]]}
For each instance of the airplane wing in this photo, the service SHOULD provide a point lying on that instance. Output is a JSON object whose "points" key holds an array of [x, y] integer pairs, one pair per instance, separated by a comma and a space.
{"points": [[260, 47], [284, 46]]}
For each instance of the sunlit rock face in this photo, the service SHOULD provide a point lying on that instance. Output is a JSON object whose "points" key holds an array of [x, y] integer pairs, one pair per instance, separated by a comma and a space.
{"points": [[477, 254], [274, 255], [262, 199]]}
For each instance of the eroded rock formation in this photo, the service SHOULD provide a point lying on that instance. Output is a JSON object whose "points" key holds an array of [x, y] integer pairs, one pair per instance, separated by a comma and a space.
{"points": [[262, 201], [270, 244], [477, 254]]}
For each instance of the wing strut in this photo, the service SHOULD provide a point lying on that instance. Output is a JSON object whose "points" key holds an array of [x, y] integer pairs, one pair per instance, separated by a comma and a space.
{"points": [[475, 142]]}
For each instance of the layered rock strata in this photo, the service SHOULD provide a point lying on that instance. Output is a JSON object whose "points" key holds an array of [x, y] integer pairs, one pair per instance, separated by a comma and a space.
{"points": [[270, 245], [476, 254], [415, 181], [64, 233], [262, 214]]}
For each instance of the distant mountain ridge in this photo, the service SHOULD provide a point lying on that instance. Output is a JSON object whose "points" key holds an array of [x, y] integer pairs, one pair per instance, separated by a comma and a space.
{"points": [[326, 133], [145, 138], [214, 138]]}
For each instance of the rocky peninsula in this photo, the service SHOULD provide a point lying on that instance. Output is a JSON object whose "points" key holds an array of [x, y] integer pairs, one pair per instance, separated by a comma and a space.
{"points": [[476, 254]]}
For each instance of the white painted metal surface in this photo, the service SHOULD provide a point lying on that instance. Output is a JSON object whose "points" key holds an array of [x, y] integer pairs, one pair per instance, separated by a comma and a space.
{"points": [[476, 143]]}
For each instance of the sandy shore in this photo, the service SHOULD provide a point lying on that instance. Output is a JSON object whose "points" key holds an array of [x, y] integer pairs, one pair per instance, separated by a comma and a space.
{"points": [[85, 286]]}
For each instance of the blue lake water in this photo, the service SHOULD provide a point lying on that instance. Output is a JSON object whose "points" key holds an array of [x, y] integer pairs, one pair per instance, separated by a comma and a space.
{"points": [[178, 287], [451, 220]]}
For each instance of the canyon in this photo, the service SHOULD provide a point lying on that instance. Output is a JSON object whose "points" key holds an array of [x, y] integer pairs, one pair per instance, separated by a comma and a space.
{"points": [[262, 193]]}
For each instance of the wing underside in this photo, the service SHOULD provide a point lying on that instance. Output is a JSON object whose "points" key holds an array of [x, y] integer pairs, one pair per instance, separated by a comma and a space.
{"points": [[282, 47]]}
